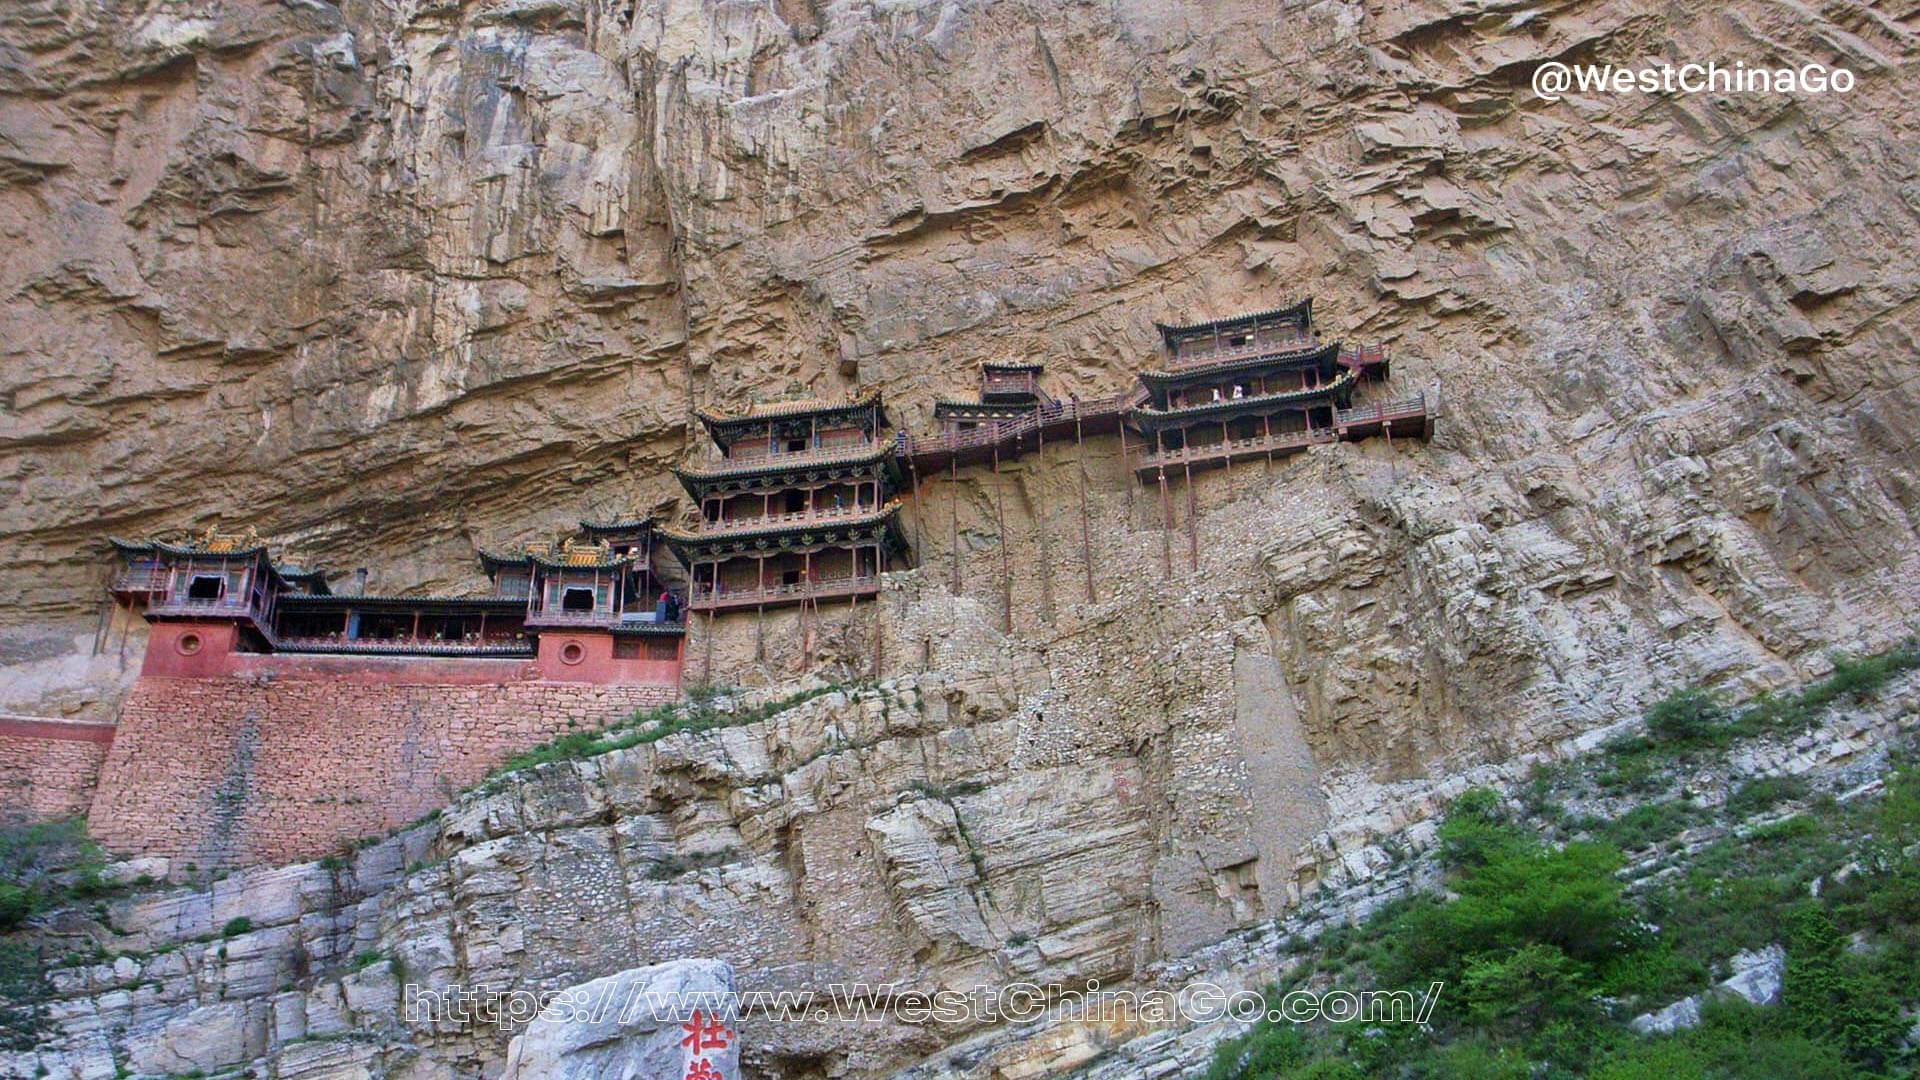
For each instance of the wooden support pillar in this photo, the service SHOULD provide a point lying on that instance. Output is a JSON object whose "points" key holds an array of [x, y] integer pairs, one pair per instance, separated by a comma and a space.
{"points": [[1126, 465], [1040, 520], [706, 667], [1006, 555], [109, 607], [806, 598], [1193, 520], [1226, 446], [1086, 527], [1166, 527], [913, 482], [953, 536]]}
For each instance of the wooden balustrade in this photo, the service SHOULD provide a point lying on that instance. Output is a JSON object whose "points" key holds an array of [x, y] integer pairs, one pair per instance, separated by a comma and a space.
{"points": [[825, 515], [708, 596], [1258, 347]]}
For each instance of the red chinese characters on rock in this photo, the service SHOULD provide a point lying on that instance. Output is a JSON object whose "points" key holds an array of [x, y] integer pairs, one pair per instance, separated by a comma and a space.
{"points": [[705, 1032]]}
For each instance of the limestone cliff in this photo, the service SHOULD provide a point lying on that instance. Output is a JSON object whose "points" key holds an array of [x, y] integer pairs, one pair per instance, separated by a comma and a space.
{"points": [[392, 279]]}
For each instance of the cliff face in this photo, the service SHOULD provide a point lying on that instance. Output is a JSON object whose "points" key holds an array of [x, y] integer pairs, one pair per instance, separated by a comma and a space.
{"points": [[915, 836], [389, 280]]}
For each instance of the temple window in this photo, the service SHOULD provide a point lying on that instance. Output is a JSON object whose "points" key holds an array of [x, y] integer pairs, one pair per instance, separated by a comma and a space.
{"points": [[577, 599], [206, 587]]}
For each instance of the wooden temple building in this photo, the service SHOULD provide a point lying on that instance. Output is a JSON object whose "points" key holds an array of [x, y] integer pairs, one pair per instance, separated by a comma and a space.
{"points": [[219, 594], [797, 507], [1007, 392], [1256, 386]]}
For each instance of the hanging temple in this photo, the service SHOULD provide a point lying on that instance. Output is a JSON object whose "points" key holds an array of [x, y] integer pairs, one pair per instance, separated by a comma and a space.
{"points": [[797, 503]]}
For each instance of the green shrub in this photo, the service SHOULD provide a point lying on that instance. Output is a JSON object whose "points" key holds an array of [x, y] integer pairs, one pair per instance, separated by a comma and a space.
{"points": [[1476, 831], [23, 995], [1688, 715], [16, 903], [1836, 997], [1268, 1050], [1522, 990], [236, 926], [45, 865]]}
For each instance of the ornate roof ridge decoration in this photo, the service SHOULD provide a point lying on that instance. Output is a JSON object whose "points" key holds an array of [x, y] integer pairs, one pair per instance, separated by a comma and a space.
{"points": [[886, 512], [209, 541], [1299, 311], [1328, 351], [775, 410], [1344, 381], [1034, 366], [577, 556], [193, 548]]}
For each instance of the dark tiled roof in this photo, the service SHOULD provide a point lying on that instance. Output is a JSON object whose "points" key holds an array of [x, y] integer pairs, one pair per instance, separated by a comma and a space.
{"points": [[1321, 355], [1301, 312]]}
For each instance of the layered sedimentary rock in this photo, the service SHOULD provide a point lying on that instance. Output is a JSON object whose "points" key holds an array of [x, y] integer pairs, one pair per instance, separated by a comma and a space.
{"points": [[922, 835]]}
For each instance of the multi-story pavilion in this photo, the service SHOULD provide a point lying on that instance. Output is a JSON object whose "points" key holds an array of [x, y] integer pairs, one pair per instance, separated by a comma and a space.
{"points": [[797, 506]]}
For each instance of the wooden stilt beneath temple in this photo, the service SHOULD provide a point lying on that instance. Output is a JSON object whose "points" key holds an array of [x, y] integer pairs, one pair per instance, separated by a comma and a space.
{"points": [[1038, 506], [1086, 526], [1166, 528], [1193, 522], [953, 533], [1006, 555]]}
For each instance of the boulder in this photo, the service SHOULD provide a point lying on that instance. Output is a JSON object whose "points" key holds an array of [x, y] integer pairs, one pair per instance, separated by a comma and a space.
{"points": [[668, 1020]]}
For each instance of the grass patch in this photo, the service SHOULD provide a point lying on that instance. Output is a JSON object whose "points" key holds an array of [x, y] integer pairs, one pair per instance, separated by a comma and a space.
{"points": [[674, 864], [1649, 824], [702, 711]]}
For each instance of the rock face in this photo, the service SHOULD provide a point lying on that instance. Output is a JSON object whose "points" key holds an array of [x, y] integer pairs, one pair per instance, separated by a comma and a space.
{"points": [[390, 279], [879, 842]]}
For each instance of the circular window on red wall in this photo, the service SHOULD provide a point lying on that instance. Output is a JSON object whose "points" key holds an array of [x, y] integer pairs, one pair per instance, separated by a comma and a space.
{"points": [[188, 644], [572, 653]]}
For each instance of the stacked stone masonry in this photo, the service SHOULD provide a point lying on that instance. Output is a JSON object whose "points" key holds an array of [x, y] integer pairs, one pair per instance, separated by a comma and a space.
{"points": [[223, 772], [48, 768]]}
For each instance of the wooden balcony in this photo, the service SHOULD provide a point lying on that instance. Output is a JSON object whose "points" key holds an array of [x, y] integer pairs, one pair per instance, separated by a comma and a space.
{"points": [[145, 582], [603, 620], [1407, 417], [929, 454], [827, 515], [1276, 344], [224, 607], [705, 598], [403, 647]]}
